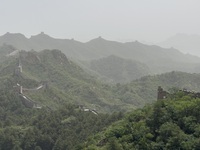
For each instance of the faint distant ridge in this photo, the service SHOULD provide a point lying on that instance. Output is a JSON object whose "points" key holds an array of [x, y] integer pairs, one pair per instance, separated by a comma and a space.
{"points": [[71, 47], [157, 59], [95, 48], [187, 43], [17, 40]]}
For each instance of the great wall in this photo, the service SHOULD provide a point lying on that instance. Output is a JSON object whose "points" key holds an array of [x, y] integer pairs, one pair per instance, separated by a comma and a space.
{"points": [[29, 103], [161, 94], [26, 101]]}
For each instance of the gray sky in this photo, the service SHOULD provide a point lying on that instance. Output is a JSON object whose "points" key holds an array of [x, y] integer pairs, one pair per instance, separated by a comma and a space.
{"points": [[125, 20]]}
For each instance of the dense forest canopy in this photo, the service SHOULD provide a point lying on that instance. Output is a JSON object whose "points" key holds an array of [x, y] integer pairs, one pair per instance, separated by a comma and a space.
{"points": [[171, 123], [47, 101]]}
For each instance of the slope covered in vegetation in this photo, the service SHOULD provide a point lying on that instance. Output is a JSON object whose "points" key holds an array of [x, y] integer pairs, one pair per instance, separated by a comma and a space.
{"points": [[62, 129], [65, 82], [144, 90], [118, 70], [64, 122], [172, 123]]}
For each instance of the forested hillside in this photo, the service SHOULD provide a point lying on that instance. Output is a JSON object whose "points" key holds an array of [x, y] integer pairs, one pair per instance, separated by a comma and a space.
{"points": [[118, 70], [144, 90], [170, 124], [92, 75], [5, 51], [62, 89], [63, 81], [71, 105], [36, 129]]}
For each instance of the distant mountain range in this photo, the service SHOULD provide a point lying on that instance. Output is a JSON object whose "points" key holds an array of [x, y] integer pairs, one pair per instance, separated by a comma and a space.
{"points": [[155, 58], [184, 42]]}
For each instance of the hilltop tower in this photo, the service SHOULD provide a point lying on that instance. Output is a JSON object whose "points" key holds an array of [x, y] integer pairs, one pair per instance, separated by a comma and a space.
{"points": [[161, 93]]}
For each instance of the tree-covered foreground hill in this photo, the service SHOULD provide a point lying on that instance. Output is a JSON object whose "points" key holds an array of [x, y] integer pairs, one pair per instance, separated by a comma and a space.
{"points": [[42, 129], [69, 98], [66, 95], [168, 124]]}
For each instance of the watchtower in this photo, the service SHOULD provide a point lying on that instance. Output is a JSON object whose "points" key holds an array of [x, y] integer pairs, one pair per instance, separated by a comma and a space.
{"points": [[161, 93]]}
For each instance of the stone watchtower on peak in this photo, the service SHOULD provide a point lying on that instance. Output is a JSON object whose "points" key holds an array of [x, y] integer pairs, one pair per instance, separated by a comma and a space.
{"points": [[161, 93]]}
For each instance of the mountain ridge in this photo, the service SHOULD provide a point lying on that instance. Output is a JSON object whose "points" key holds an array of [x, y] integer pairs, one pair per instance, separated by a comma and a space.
{"points": [[158, 59], [186, 43]]}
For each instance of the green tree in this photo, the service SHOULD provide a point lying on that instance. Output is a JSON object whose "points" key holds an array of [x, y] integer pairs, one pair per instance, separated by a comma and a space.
{"points": [[113, 144]]}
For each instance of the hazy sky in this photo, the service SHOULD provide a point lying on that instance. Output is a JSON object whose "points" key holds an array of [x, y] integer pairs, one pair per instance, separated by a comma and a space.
{"points": [[125, 20]]}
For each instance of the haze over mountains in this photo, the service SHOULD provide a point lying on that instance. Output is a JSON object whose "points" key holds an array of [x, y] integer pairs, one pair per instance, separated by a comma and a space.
{"points": [[155, 58], [68, 83], [113, 61], [119, 70], [96, 77], [96, 48], [68, 105], [187, 43]]}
